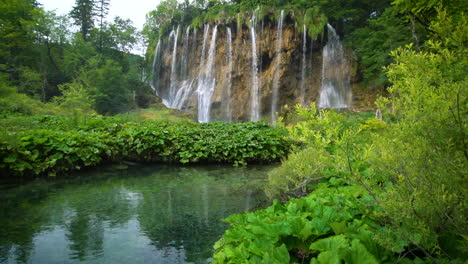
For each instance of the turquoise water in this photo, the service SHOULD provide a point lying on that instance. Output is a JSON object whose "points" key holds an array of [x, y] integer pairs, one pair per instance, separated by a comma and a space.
{"points": [[144, 214]]}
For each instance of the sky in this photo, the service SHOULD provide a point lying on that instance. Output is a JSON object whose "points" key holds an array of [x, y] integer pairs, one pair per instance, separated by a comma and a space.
{"points": [[134, 10]]}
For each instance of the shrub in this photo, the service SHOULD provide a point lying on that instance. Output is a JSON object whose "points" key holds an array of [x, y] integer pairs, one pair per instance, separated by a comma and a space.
{"points": [[333, 224], [58, 148]]}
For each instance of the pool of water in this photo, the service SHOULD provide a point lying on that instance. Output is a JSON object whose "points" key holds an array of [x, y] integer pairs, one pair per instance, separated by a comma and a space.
{"points": [[143, 214]]}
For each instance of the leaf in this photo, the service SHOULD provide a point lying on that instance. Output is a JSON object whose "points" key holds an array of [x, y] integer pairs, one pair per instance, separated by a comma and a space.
{"points": [[339, 227], [281, 254], [359, 254], [330, 243], [329, 257]]}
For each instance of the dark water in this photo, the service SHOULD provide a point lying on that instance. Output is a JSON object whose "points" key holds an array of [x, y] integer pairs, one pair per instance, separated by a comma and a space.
{"points": [[156, 214]]}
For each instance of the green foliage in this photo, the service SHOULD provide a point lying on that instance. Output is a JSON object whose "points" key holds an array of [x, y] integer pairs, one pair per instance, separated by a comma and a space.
{"points": [[54, 150], [333, 224], [21, 103], [76, 98], [301, 169], [112, 96], [50, 152], [17, 33], [83, 14], [424, 155], [374, 42], [349, 15], [411, 172], [334, 148]]}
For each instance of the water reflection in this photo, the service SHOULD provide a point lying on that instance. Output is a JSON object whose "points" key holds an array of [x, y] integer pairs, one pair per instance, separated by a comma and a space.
{"points": [[155, 214]]}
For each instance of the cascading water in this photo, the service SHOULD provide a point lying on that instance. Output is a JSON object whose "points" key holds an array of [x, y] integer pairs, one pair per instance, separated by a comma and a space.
{"points": [[304, 51], [206, 30], [207, 82], [276, 78], [227, 94], [183, 93], [156, 65], [185, 85], [335, 91], [255, 92], [172, 88], [184, 60], [201, 66]]}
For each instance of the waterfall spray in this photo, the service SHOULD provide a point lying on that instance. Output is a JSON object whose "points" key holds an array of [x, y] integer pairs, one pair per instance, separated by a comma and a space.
{"points": [[155, 70], [184, 60], [276, 78], [185, 85], [304, 51], [172, 89], [255, 92], [207, 82], [227, 100], [335, 91]]}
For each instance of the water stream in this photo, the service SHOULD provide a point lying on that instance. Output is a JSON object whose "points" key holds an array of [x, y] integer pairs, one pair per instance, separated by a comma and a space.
{"points": [[276, 78], [147, 214], [303, 67], [207, 82], [156, 67], [335, 91], [255, 91], [174, 83], [227, 93], [185, 51]]}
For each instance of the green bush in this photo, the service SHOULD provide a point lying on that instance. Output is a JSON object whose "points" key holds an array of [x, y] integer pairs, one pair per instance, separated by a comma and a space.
{"points": [[301, 169], [57, 148], [335, 146], [333, 224]]}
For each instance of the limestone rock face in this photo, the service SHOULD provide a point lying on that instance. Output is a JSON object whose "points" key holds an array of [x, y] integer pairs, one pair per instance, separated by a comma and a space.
{"points": [[289, 71]]}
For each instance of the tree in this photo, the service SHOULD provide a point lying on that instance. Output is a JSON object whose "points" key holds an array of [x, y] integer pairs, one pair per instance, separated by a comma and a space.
{"points": [[83, 14], [112, 95], [424, 156], [374, 43], [17, 34], [102, 10], [123, 34]]}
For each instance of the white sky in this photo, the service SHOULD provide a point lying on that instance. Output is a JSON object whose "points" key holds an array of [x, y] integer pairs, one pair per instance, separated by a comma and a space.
{"points": [[134, 10]]}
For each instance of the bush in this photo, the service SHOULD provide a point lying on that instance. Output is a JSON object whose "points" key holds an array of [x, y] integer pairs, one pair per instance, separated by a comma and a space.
{"points": [[301, 169], [333, 224], [54, 151]]}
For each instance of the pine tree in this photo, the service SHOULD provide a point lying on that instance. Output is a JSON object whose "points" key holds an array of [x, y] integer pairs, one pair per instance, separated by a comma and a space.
{"points": [[83, 13], [102, 10]]}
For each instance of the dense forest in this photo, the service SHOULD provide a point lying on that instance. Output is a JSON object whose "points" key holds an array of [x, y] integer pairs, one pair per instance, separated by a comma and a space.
{"points": [[88, 70], [352, 187]]}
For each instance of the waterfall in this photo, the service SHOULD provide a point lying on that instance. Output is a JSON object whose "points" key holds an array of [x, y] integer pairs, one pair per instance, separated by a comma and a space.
{"points": [[194, 42], [154, 70], [227, 98], [184, 92], [172, 87], [304, 50], [207, 82], [335, 91], [276, 78], [185, 85], [206, 30], [255, 92], [184, 60]]}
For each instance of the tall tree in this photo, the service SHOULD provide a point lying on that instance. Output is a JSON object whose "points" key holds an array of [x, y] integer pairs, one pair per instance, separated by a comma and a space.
{"points": [[18, 23], [102, 10], [83, 14]]}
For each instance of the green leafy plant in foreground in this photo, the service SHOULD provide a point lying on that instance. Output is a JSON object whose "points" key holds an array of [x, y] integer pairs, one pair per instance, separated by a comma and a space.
{"points": [[61, 148], [335, 223]]}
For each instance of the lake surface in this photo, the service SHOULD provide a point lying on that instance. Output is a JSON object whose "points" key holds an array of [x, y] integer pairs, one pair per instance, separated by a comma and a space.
{"points": [[144, 214]]}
